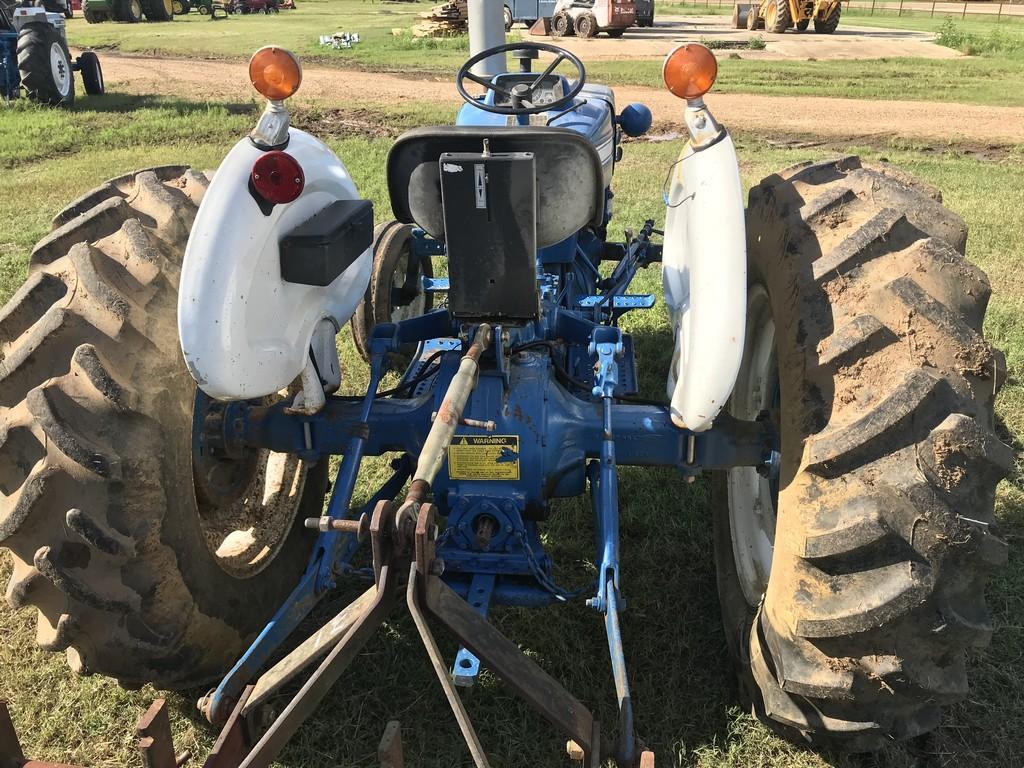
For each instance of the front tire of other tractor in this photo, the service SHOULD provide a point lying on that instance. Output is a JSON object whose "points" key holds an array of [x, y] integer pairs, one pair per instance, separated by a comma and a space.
{"points": [[92, 73], [395, 291], [508, 19], [130, 11], [562, 25], [44, 65], [134, 571], [776, 16], [619, 32], [159, 10], [830, 23], [802, 25], [752, 18], [586, 25], [852, 585], [92, 16]]}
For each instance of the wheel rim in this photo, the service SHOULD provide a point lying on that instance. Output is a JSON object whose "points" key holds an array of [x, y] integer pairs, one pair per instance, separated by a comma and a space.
{"points": [[169, 7], [752, 497], [60, 70], [246, 502], [177, 7], [135, 9], [772, 14], [415, 307]]}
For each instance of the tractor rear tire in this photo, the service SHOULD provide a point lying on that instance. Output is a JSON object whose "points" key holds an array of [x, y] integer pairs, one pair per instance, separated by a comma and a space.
{"points": [[562, 26], [92, 73], [586, 26], [159, 10], [776, 16], [93, 16], [619, 32], [830, 23], [753, 18], [109, 541], [391, 254], [801, 26], [44, 65], [852, 586]]}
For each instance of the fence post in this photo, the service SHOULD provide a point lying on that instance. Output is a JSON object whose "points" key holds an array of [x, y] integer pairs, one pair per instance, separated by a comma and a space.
{"points": [[872, 7], [933, 9], [999, 16], [964, 14], [900, 12]]}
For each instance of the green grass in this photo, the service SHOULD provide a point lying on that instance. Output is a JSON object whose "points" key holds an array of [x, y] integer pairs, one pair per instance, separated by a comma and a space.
{"points": [[992, 78], [674, 644]]}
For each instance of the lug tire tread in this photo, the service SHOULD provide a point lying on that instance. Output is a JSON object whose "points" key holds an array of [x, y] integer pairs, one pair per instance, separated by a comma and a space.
{"points": [[888, 384]]}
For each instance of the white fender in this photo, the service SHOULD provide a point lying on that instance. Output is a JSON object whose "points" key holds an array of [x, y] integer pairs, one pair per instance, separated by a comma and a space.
{"points": [[244, 331], [704, 271]]}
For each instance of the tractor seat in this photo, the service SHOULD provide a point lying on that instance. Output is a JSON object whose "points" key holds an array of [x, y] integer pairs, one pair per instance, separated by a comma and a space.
{"points": [[570, 189]]}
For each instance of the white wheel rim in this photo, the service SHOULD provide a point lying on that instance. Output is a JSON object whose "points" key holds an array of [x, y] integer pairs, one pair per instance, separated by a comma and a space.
{"points": [[751, 496], [60, 69]]}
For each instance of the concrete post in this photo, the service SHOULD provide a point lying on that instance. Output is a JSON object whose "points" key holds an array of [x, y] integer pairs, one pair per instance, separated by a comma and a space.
{"points": [[486, 30]]}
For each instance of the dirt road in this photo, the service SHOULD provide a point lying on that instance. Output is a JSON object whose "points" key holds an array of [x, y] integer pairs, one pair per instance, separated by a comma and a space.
{"points": [[802, 115], [848, 42]]}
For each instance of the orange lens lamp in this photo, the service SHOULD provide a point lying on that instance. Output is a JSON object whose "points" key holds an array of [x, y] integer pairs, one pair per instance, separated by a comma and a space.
{"points": [[690, 70], [275, 72]]}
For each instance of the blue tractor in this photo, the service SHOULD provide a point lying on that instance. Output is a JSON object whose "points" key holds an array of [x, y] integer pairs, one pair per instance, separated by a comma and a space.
{"points": [[166, 513], [34, 58]]}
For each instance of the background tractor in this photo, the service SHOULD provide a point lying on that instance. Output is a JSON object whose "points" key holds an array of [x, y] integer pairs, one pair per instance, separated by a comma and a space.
{"points": [[131, 11], [777, 16], [825, 359], [587, 18], [34, 58]]}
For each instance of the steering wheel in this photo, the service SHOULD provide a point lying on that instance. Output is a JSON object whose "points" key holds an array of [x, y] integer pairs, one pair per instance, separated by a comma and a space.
{"points": [[520, 95]]}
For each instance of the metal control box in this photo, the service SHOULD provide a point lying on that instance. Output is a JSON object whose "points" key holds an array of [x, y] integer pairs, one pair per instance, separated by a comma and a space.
{"points": [[490, 224]]}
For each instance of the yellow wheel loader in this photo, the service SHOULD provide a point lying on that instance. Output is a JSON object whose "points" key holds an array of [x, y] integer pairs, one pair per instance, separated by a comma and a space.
{"points": [[779, 15]]}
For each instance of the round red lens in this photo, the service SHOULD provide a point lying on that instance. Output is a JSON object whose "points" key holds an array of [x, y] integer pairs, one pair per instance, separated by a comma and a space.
{"points": [[277, 177]]}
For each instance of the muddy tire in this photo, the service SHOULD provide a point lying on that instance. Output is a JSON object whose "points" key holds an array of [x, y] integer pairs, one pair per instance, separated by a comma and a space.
{"points": [[801, 26], [586, 26], [562, 26], [852, 586], [386, 300], [131, 575], [830, 23]]}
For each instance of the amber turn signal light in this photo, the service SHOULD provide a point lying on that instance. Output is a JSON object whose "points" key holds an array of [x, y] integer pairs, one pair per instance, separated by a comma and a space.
{"points": [[275, 72], [690, 71]]}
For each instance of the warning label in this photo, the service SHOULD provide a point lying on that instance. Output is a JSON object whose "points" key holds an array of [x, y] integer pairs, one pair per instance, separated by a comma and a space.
{"points": [[484, 457]]}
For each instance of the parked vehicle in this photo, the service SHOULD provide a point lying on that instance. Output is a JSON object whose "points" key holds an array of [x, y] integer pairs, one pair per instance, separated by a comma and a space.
{"points": [[34, 58]]}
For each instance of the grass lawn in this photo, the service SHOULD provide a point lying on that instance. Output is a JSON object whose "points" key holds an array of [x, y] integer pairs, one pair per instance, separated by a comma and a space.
{"points": [[675, 648], [990, 78]]}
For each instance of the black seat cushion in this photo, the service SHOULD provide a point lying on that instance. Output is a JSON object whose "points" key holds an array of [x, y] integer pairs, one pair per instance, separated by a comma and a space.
{"points": [[570, 190]]}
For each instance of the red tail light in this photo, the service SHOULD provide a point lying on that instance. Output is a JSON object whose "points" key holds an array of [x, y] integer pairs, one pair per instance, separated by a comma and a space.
{"points": [[277, 177]]}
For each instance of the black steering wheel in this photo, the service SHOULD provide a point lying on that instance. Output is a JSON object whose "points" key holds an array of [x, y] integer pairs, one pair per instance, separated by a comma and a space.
{"points": [[520, 95]]}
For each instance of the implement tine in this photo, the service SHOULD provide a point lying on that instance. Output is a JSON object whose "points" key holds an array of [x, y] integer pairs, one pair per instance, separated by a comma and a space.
{"points": [[311, 650], [389, 752], [155, 742], [304, 705], [503, 658], [441, 669]]}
